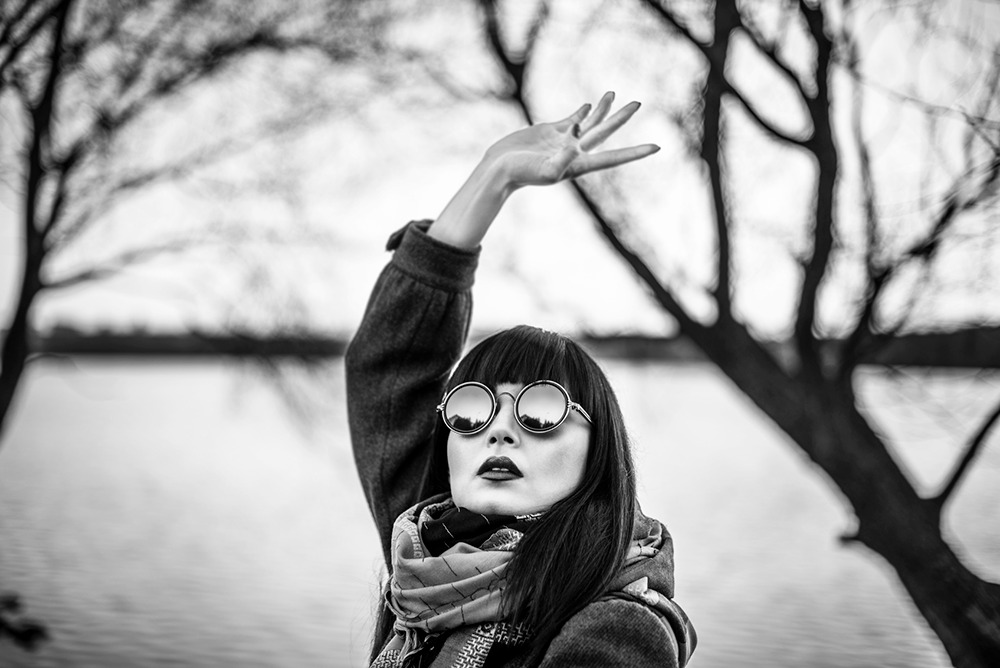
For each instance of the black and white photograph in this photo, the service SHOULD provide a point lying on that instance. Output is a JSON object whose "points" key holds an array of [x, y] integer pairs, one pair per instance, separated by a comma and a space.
{"points": [[499, 333]]}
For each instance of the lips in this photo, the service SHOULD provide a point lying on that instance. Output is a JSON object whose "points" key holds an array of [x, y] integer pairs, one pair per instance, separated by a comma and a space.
{"points": [[499, 468]]}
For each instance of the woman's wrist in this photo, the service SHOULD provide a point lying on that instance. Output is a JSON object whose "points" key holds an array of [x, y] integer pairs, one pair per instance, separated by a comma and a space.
{"points": [[467, 217]]}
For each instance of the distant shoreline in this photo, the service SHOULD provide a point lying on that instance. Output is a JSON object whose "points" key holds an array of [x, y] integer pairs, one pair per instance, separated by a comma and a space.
{"points": [[970, 348]]}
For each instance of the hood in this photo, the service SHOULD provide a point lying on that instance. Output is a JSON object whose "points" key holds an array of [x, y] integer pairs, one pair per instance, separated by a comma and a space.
{"points": [[650, 555], [648, 576]]}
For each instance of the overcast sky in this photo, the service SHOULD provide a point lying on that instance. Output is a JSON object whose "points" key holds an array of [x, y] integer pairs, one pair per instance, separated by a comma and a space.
{"points": [[337, 188]]}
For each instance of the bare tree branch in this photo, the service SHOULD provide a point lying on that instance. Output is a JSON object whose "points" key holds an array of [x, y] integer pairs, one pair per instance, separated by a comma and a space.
{"points": [[138, 51], [725, 18], [953, 205], [121, 262], [63, 170], [972, 448], [516, 95], [956, 201], [42, 116], [535, 29], [865, 337], [221, 236], [820, 143], [764, 124], [437, 72], [20, 30], [162, 50], [715, 54], [203, 65], [663, 295], [671, 19], [770, 51], [10, 24], [513, 65], [823, 147], [716, 85], [927, 108], [131, 183], [877, 276], [123, 185]]}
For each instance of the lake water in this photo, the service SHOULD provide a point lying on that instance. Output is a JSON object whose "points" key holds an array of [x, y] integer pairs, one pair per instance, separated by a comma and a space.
{"points": [[179, 514]]}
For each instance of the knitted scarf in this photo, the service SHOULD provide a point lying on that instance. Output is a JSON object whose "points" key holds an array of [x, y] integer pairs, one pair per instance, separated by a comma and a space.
{"points": [[448, 568], [448, 575]]}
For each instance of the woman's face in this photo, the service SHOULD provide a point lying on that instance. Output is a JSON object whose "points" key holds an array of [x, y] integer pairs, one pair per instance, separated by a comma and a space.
{"points": [[539, 470]]}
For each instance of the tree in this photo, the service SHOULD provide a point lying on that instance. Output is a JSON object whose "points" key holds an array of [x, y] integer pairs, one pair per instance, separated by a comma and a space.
{"points": [[82, 80], [815, 53]]}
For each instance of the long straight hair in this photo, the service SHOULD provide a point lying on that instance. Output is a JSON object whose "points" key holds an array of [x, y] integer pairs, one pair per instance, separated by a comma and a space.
{"points": [[569, 559]]}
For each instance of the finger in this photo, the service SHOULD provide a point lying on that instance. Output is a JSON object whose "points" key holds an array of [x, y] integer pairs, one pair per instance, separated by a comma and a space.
{"points": [[607, 128], [575, 117], [592, 162], [600, 111]]}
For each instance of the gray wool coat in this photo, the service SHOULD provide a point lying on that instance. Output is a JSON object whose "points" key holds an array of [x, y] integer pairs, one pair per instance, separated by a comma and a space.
{"points": [[410, 338]]}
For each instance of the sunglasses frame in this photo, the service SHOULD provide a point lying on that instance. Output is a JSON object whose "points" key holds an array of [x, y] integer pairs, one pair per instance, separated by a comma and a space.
{"points": [[570, 405]]}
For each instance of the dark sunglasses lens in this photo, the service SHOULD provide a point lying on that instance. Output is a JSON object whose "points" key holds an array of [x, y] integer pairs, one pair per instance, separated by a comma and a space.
{"points": [[468, 408], [542, 407]]}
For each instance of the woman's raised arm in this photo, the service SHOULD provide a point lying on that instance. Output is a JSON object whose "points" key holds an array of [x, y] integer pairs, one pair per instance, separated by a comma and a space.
{"points": [[417, 318], [536, 155]]}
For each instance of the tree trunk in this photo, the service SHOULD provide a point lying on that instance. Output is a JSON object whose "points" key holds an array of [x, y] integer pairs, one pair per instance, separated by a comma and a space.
{"points": [[961, 608], [821, 416], [905, 530], [15, 351]]}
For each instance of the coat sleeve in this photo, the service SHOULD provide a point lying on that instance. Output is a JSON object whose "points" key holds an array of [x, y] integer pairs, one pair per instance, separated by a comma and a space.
{"points": [[613, 633], [412, 333]]}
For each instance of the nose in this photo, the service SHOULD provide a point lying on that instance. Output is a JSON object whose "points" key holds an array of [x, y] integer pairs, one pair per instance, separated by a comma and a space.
{"points": [[503, 429]]}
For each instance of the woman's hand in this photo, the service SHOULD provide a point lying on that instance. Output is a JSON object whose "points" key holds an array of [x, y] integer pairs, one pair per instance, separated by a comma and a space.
{"points": [[537, 155], [551, 152]]}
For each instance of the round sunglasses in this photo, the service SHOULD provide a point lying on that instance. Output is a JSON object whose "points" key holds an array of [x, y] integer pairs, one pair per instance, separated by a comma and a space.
{"points": [[539, 407]]}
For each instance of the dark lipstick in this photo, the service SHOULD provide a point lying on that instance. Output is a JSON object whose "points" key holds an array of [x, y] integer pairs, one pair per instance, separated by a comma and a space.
{"points": [[499, 468]]}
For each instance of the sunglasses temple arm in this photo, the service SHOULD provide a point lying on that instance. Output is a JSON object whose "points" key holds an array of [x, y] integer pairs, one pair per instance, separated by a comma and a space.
{"points": [[577, 407]]}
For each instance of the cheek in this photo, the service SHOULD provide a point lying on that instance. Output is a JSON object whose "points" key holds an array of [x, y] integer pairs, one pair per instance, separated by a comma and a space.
{"points": [[455, 459], [567, 463], [459, 460]]}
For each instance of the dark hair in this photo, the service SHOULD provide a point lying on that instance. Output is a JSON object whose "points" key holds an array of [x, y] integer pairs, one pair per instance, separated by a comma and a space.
{"points": [[570, 558]]}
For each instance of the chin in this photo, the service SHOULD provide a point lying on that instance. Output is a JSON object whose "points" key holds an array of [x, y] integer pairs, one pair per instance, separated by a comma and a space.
{"points": [[491, 507], [497, 506]]}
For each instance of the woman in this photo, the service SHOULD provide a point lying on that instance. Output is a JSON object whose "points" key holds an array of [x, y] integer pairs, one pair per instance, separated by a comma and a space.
{"points": [[504, 496]]}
